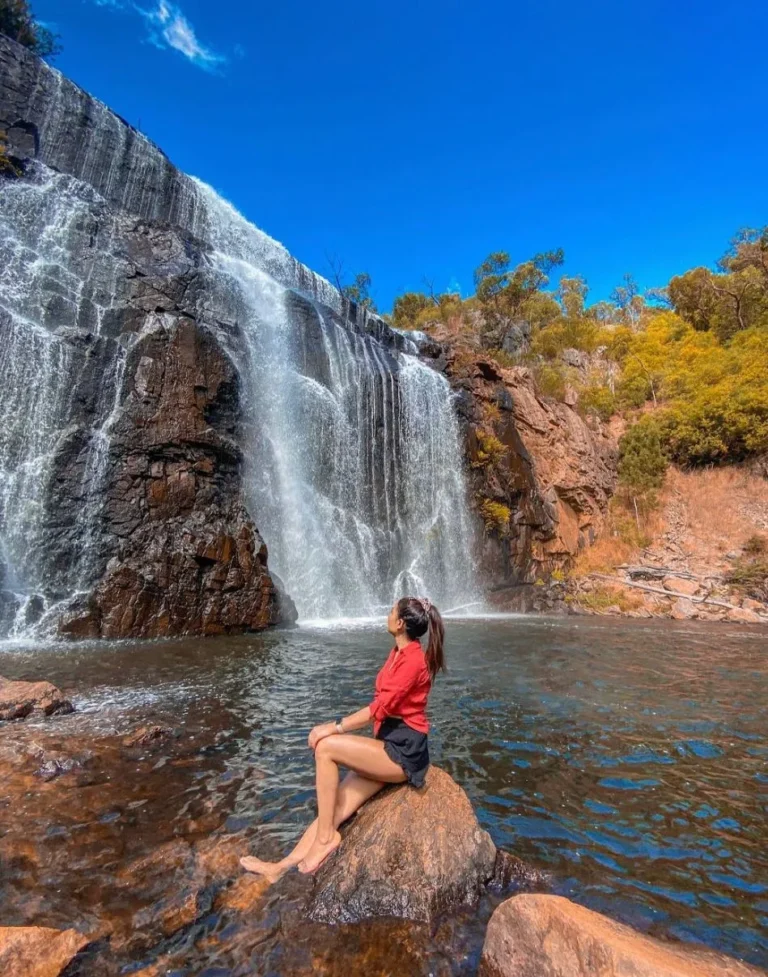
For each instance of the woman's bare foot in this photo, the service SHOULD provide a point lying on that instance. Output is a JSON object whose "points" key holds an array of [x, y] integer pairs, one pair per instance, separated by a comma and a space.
{"points": [[270, 870], [318, 853]]}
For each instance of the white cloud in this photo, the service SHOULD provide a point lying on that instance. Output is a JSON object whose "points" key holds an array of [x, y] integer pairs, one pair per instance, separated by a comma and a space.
{"points": [[169, 28]]}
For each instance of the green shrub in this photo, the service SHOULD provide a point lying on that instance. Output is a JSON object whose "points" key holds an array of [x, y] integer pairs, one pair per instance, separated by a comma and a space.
{"points": [[750, 576], [756, 545], [505, 360], [642, 461], [18, 22], [597, 399], [550, 379]]}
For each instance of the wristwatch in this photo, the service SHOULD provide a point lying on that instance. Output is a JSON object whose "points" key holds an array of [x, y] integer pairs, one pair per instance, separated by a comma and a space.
{"points": [[339, 726]]}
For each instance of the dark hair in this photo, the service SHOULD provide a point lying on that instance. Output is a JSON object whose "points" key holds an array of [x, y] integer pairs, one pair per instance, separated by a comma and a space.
{"points": [[418, 616]]}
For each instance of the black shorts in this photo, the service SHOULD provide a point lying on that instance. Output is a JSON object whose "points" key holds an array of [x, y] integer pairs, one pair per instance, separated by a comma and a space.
{"points": [[407, 747]]}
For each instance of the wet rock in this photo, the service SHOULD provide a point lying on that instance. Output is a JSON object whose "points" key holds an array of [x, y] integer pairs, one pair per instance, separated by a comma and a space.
{"points": [[21, 699], [408, 853], [244, 895], [185, 554], [36, 951], [147, 736], [549, 936], [511, 872], [218, 857], [54, 767]]}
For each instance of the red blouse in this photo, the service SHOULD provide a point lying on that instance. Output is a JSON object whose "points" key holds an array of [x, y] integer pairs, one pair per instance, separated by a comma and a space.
{"points": [[402, 689]]}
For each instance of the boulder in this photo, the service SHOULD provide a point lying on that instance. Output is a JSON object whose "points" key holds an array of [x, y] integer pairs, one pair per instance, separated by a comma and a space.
{"points": [[36, 951], [147, 736], [408, 853], [683, 610], [21, 699], [742, 615], [549, 936], [679, 585]]}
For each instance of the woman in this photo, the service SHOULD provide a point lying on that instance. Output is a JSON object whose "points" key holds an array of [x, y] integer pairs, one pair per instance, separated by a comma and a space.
{"points": [[398, 750]]}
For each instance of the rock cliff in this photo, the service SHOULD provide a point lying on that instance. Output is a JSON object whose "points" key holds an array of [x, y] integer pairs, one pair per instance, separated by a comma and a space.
{"points": [[142, 507], [143, 323], [541, 475]]}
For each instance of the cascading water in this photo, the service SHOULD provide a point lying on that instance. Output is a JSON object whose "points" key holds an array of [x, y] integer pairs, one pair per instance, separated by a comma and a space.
{"points": [[352, 449], [52, 299], [354, 460]]}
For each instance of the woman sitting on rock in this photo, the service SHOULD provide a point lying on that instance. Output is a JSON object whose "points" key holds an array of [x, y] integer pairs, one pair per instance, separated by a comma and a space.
{"points": [[398, 750]]}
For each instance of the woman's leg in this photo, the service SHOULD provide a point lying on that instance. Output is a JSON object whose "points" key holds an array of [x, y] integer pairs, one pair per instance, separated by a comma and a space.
{"points": [[353, 793], [366, 757]]}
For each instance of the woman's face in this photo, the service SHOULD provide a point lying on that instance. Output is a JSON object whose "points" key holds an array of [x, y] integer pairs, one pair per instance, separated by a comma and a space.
{"points": [[394, 623]]}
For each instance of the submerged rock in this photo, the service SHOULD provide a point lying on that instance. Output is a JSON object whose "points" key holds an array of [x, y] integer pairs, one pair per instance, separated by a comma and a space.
{"points": [[21, 699], [549, 936], [408, 853], [36, 951], [147, 736]]}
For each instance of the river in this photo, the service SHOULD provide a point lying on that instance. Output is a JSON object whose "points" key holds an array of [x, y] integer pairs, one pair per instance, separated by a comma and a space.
{"points": [[628, 759]]}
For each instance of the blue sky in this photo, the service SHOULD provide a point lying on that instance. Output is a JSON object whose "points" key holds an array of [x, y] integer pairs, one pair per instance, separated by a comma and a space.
{"points": [[411, 139]]}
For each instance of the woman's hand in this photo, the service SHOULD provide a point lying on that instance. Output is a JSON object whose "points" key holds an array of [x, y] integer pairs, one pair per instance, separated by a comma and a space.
{"points": [[320, 732]]}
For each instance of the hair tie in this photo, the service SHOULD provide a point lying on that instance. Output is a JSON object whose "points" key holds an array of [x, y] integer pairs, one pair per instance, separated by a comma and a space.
{"points": [[425, 602]]}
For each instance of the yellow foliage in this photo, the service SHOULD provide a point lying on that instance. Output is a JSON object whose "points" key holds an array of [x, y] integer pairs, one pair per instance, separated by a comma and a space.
{"points": [[600, 598], [491, 412], [496, 516], [490, 450], [715, 395]]}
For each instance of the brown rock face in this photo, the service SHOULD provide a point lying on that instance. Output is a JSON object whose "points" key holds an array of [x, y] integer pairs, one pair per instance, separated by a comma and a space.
{"points": [[408, 853], [21, 699], [36, 951], [548, 936], [187, 556], [554, 475]]}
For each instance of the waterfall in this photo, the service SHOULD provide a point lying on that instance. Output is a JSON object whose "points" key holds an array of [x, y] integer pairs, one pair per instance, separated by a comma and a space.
{"points": [[58, 280], [354, 463]]}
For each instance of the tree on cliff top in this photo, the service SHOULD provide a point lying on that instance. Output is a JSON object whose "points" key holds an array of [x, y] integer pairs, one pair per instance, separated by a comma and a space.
{"points": [[18, 22], [358, 291]]}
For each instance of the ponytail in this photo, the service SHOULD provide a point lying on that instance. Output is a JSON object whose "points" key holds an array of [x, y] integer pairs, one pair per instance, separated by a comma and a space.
{"points": [[419, 616], [434, 654]]}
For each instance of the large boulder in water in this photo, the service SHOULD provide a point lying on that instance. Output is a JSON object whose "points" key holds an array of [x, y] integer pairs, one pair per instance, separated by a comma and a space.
{"points": [[21, 699], [408, 853], [549, 936], [37, 951]]}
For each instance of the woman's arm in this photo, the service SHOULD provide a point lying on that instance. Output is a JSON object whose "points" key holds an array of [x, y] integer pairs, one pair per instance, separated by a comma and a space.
{"points": [[357, 720]]}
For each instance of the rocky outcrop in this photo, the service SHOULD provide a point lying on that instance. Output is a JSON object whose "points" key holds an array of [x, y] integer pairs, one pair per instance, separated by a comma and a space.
{"points": [[142, 502], [21, 699], [37, 951], [549, 936], [408, 853], [542, 475], [185, 555]]}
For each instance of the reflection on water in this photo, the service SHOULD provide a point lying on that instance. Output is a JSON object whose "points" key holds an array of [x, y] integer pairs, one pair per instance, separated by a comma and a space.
{"points": [[629, 759]]}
